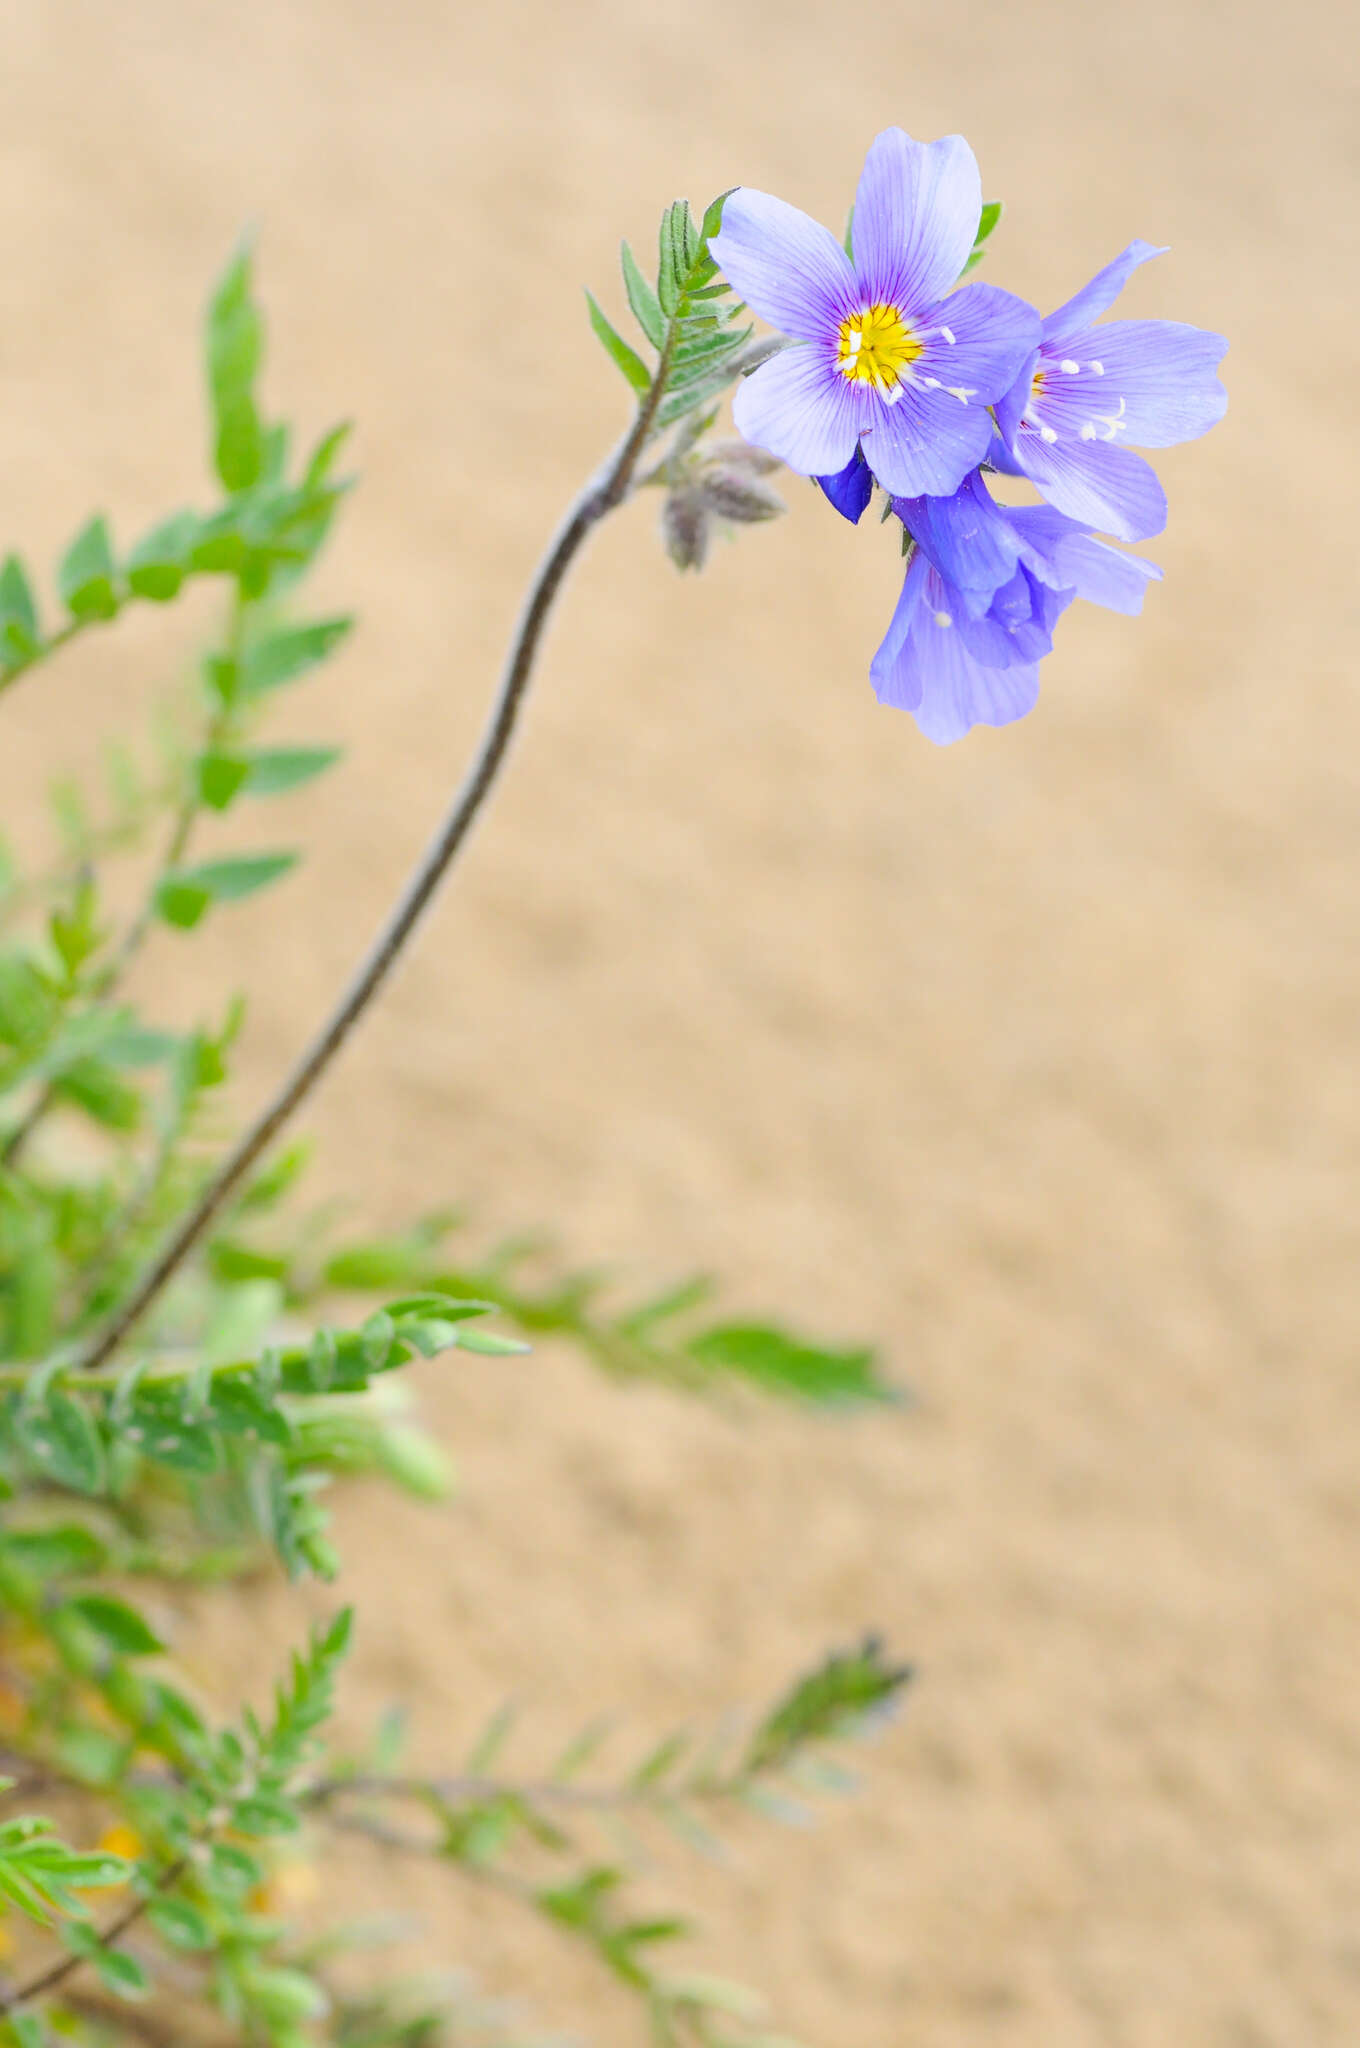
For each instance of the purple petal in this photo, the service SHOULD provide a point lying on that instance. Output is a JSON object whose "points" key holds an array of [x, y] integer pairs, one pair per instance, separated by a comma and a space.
{"points": [[1013, 402], [925, 445], [1100, 294], [925, 666], [993, 335], [916, 213], [1018, 626], [850, 489], [1105, 575], [801, 409], [957, 692], [789, 268], [895, 681], [1163, 371], [1106, 487], [967, 539]]}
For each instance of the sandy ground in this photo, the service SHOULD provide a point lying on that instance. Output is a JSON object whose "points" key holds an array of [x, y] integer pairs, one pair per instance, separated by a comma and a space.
{"points": [[1035, 1058]]}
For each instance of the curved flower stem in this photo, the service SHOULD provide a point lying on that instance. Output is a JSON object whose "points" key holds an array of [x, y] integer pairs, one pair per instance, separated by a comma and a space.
{"points": [[600, 497]]}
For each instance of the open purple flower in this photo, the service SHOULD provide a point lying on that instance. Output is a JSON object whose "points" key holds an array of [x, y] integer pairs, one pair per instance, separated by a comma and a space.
{"points": [[884, 359], [1088, 392], [984, 589]]}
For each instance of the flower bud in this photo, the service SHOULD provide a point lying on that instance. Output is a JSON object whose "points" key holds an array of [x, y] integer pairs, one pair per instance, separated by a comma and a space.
{"points": [[735, 494], [685, 527]]}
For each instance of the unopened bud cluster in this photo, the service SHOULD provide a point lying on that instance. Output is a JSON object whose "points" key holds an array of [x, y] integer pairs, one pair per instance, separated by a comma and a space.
{"points": [[723, 481]]}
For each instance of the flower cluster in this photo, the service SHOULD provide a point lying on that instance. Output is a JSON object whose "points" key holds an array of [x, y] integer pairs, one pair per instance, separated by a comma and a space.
{"points": [[895, 374]]}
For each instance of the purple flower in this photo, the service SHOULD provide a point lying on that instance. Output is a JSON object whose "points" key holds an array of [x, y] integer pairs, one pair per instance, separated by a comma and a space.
{"points": [[984, 589], [1088, 392], [884, 358]]}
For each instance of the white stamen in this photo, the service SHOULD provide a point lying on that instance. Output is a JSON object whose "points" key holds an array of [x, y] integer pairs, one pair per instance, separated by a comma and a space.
{"points": [[1068, 367], [1096, 369], [948, 334], [963, 392], [944, 618], [1088, 432], [1047, 434], [853, 344], [891, 397], [929, 383]]}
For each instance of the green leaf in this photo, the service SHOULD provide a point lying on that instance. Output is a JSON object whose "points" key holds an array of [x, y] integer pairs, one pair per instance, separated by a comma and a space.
{"points": [[159, 563], [490, 1344], [85, 574], [782, 1364], [24, 2030], [643, 300], [234, 344], [834, 1701], [991, 214], [18, 613], [65, 1551], [220, 776], [104, 1096], [183, 897], [61, 1440], [628, 360], [280, 657], [179, 1923], [271, 772], [117, 1624]]}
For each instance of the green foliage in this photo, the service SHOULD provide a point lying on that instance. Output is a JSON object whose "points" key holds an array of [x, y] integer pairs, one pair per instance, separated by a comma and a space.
{"points": [[43, 1877], [697, 338], [991, 215], [203, 1452], [656, 1338]]}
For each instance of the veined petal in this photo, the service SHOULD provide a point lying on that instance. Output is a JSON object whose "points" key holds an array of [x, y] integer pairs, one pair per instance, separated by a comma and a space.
{"points": [[978, 340], [1013, 402], [925, 666], [916, 213], [894, 679], [801, 409], [925, 445], [1100, 294], [1109, 488], [1164, 372], [1105, 575], [967, 539], [957, 692], [850, 489], [789, 268]]}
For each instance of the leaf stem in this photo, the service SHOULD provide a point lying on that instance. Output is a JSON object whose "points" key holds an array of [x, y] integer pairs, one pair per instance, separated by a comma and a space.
{"points": [[605, 492], [57, 1973]]}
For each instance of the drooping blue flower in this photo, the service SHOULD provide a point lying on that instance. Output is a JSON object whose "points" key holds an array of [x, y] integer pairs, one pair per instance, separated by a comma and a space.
{"points": [[1089, 394], [887, 357], [984, 589]]}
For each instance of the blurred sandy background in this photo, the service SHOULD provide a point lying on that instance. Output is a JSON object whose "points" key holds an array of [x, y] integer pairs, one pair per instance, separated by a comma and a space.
{"points": [[1035, 1058]]}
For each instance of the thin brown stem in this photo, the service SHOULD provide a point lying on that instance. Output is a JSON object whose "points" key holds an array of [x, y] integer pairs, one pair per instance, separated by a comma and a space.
{"points": [[56, 1973], [600, 497]]}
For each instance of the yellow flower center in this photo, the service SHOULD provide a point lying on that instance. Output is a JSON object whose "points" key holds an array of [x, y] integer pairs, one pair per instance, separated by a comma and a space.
{"points": [[876, 346]]}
